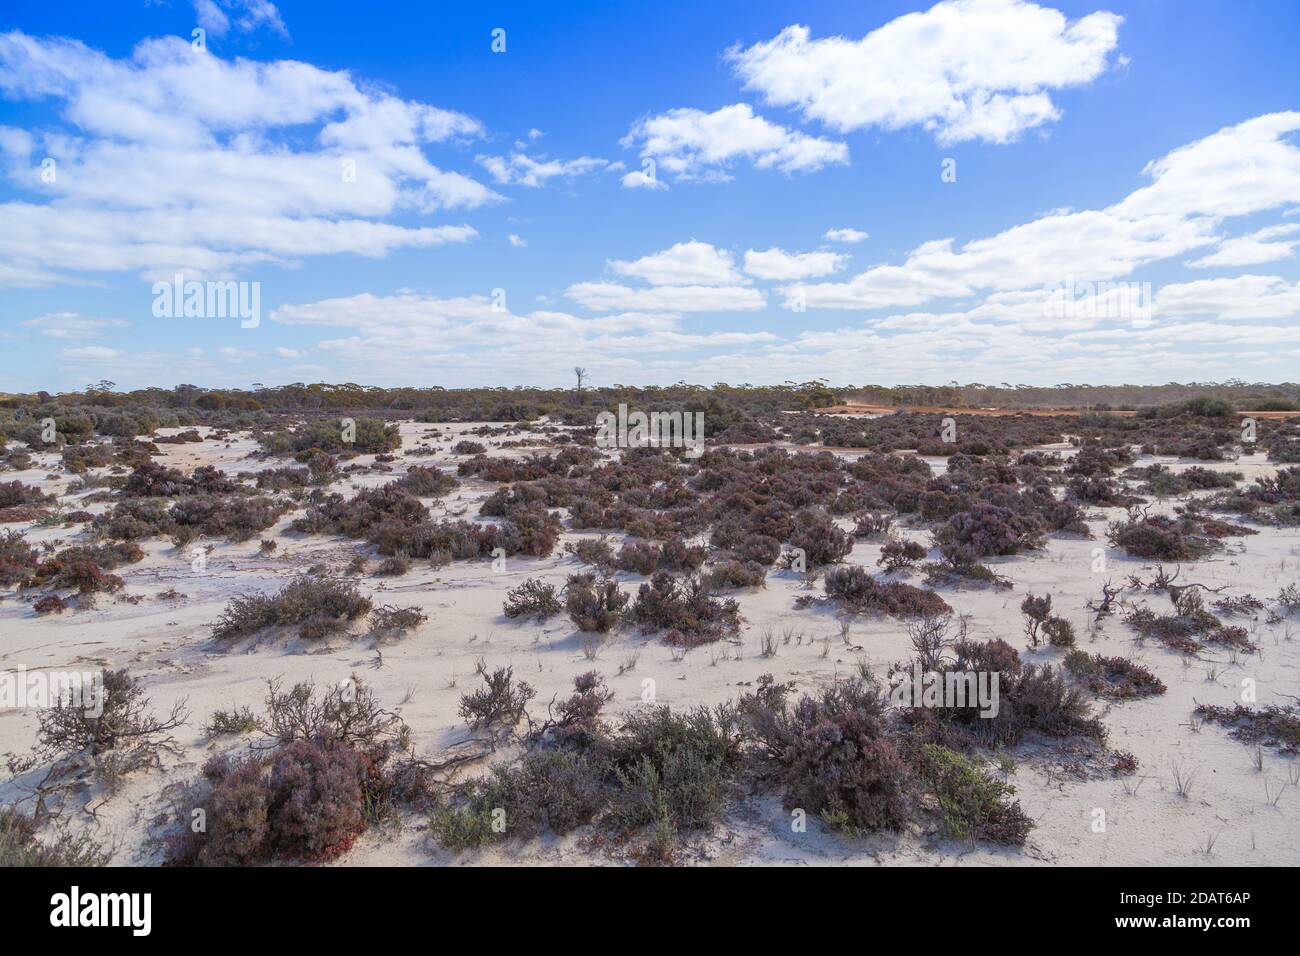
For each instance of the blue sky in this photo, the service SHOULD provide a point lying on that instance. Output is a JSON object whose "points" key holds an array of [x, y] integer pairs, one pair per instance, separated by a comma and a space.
{"points": [[1125, 205]]}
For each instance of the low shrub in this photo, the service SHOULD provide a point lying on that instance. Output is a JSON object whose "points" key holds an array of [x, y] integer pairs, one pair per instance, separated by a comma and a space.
{"points": [[820, 539], [676, 555], [532, 598], [988, 530], [973, 804], [120, 735], [1117, 678], [1189, 628], [395, 566], [1031, 699], [370, 436], [151, 480], [594, 605], [685, 606], [237, 519], [84, 569], [234, 722], [305, 801], [859, 591], [832, 755], [898, 554], [1165, 538], [1041, 624], [735, 574], [21, 846], [18, 559], [873, 525], [660, 772], [499, 705], [388, 622], [1272, 726], [426, 482], [318, 606], [638, 557], [14, 493], [759, 548], [593, 551], [50, 604]]}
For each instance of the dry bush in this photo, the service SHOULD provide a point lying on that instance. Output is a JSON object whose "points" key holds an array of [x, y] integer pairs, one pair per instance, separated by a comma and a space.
{"points": [[759, 549], [532, 598], [135, 518], [50, 604], [395, 566], [871, 525], [735, 574], [388, 622], [659, 773], [820, 539], [898, 554], [125, 735], [679, 556], [832, 754], [426, 482], [238, 519], [685, 606], [151, 479], [338, 762], [355, 517], [593, 551], [234, 722], [318, 606], [17, 558], [315, 807], [859, 591], [305, 802], [1041, 624], [84, 569], [372, 436], [1272, 726], [1189, 628], [1116, 678], [987, 530], [20, 845], [499, 705], [14, 493], [1160, 537], [1031, 699], [594, 605], [346, 713], [639, 557]]}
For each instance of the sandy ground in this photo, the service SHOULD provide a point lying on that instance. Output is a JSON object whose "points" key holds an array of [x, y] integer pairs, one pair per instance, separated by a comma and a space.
{"points": [[1230, 816]]}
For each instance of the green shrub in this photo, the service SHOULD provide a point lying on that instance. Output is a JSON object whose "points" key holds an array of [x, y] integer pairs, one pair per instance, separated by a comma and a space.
{"points": [[533, 597], [973, 804]]}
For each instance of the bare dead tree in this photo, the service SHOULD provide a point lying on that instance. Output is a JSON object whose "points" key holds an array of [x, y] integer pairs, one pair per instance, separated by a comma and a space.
{"points": [[581, 374], [1106, 606], [930, 637]]}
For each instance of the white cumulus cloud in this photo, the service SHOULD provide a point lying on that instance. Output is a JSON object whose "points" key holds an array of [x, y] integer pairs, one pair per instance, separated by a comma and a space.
{"points": [[963, 70]]}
